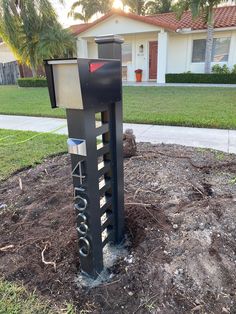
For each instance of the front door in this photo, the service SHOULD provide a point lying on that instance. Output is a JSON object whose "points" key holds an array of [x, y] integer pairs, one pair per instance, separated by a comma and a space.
{"points": [[153, 60]]}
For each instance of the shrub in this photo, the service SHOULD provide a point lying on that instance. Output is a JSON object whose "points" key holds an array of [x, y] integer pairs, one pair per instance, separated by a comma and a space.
{"points": [[32, 82], [201, 78], [234, 69], [217, 69]]}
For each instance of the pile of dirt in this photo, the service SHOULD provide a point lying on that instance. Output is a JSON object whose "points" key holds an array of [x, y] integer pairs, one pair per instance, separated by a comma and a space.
{"points": [[181, 222]]}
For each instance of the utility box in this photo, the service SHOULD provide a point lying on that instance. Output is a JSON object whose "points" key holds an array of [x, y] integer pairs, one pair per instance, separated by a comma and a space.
{"points": [[83, 83], [88, 89]]}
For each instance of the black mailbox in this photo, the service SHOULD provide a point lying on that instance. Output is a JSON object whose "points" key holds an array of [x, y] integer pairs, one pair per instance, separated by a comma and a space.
{"points": [[83, 83], [86, 88]]}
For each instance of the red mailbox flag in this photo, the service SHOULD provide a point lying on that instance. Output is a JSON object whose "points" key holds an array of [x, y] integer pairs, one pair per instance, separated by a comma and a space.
{"points": [[93, 67]]}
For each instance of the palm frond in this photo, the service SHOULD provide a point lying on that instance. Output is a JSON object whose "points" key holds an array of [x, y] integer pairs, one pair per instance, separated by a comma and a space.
{"points": [[31, 29]]}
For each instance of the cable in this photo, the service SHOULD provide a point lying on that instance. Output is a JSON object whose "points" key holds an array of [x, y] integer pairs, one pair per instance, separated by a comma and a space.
{"points": [[3, 138], [30, 138]]}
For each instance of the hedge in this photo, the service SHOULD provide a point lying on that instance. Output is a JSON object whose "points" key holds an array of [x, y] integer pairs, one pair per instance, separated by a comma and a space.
{"points": [[32, 82], [200, 78]]}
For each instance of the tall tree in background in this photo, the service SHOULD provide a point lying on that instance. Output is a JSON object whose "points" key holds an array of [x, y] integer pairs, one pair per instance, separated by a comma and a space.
{"points": [[31, 30], [158, 6], [89, 8], [205, 10], [136, 6]]}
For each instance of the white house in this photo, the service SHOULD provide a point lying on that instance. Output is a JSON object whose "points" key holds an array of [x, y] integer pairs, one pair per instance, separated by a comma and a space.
{"points": [[161, 44], [6, 54]]}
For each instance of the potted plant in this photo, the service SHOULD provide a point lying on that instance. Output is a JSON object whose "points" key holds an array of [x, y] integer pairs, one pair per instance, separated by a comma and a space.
{"points": [[138, 74]]}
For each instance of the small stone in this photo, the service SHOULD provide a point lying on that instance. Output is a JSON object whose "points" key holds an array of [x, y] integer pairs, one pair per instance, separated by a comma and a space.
{"points": [[224, 310], [3, 206], [197, 308], [175, 226], [129, 259], [130, 293], [129, 144], [201, 226]]}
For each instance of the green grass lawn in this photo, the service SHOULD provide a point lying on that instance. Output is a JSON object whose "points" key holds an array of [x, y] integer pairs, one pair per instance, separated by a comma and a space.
{"points": [[187, 106], [15, 299], [22, 149]]}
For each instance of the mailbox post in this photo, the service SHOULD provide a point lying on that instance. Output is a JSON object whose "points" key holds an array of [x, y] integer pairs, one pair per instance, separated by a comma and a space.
{"points": [[87, 88], [111, 47]]}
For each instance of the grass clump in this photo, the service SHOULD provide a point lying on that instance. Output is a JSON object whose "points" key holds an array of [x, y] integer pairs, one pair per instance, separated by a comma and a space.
{"points": [[20, 149]]}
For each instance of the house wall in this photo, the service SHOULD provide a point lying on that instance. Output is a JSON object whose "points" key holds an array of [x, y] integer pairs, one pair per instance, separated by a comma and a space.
{"points": [[135, 32], [139, 60], [119, 25], [178, 46], [180, 51], [5, 54]]}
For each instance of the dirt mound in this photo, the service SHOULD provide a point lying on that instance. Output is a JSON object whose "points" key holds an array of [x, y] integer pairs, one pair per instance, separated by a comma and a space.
{"points": [[180, 218]]}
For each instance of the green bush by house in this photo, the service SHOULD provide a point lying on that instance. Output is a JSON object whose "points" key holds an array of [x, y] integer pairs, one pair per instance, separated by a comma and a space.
{"points": [[218, 69], [32, 82], [202, 78]]}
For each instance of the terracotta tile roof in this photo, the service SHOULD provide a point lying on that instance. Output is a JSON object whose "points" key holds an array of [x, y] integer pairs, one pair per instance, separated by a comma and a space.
{"points": [[79, 28], [224, 17], [145, 19]]}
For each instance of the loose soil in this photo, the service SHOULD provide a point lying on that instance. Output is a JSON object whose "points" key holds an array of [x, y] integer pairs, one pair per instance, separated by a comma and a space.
{"points": [[181, 225]]}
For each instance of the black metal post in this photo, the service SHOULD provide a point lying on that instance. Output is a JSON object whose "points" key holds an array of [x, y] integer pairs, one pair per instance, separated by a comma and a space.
{"points": [[81, 124], [110, 47]]}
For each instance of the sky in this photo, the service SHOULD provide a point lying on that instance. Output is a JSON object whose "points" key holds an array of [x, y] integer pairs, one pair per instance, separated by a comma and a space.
{"points": [[62, 11]]}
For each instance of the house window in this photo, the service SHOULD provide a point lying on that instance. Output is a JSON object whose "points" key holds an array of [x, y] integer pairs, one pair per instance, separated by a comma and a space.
{"points": [[126, 53], [199, 50], [220, 50]]}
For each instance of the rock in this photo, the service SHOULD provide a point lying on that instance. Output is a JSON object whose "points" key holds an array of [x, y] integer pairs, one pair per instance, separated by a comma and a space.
{"points": [[197, 308], [201, 226], [3, 206], [129, 144]]}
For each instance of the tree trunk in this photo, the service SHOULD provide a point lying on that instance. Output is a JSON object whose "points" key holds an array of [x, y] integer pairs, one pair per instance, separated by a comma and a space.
{"points": [[34, 72], [209, 42]]}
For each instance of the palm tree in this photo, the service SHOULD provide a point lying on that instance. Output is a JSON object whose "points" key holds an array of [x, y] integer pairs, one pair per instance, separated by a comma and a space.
{"points": [[205, 10], [31, 30], [158, 6], [136, 6], [89, 8]]}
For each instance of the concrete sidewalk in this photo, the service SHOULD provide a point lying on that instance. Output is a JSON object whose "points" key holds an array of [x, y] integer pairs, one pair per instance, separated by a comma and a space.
{"points": [[224, 140]]}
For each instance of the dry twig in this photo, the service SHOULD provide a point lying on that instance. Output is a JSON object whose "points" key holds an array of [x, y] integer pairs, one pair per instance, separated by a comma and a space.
{"points": [[197, 189], [20, 184], [5, 248], [45, 262], [138, 204]]}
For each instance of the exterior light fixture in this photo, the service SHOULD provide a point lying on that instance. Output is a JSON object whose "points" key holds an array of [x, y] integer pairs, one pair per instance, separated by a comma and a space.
{"points": [[141, 48]]}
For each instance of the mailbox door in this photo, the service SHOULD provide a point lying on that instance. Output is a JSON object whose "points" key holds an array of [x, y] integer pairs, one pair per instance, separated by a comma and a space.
{"points": [[100, 81]]}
